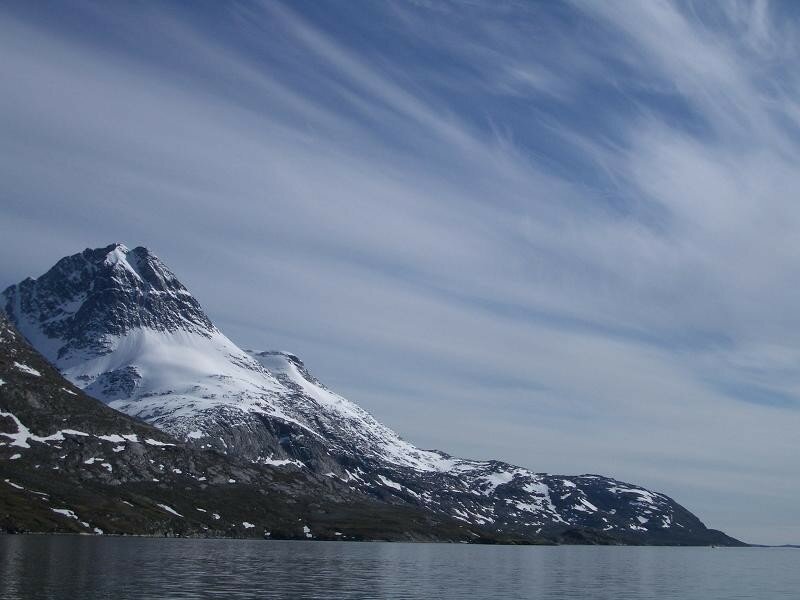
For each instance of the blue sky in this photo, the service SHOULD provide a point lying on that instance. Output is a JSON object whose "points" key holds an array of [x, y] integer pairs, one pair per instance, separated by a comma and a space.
{"points": [[560, 234]]}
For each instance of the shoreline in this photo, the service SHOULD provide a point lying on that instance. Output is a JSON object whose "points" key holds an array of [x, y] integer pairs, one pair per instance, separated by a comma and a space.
{"points": [[545, 544]]}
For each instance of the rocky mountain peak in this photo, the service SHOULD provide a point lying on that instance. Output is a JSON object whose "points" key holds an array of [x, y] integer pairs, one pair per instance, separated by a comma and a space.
{"points": [[86, 300], [140, 268]]}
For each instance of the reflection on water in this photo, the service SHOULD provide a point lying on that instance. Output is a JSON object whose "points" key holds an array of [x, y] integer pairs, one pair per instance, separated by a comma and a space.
{"points": [[105, 567]]}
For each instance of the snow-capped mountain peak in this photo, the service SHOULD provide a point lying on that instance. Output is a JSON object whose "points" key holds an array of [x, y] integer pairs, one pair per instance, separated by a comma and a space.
{"points": [[87, 301], [120, 325]]}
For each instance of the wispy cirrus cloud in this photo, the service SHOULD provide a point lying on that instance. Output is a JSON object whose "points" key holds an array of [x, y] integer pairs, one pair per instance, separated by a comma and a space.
{"points": [[562, 235]]}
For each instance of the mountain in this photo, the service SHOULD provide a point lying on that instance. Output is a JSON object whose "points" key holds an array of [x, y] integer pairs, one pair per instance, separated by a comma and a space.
{"points": [[119, 325]]}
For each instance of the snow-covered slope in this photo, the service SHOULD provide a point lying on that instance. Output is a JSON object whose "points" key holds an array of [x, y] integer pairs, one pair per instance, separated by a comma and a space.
{"points": [[347, 428], [489, 493], [120, 325], [69, 463]]}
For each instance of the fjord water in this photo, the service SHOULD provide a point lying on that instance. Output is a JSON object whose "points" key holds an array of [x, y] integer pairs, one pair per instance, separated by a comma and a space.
{"points": [[94, 567]]}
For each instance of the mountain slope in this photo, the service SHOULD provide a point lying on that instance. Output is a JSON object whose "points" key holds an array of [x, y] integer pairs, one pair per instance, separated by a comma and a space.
{"points": [[70, 464], [118, 324]]}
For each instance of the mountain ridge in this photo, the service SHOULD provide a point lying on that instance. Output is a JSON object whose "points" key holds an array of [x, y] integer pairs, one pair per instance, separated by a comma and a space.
{"points": [[133, 336]]}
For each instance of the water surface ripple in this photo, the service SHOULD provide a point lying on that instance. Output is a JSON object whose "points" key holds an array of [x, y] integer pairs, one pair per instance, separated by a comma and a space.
{"points": [[89, 568]]}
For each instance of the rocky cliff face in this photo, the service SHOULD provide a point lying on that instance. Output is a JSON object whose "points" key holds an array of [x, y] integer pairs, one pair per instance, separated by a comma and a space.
{"points": [[87, 300], [120, 326]]}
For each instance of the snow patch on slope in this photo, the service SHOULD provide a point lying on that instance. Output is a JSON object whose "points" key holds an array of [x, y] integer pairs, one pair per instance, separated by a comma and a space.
{"points": [[26, 369], [170, 510]]}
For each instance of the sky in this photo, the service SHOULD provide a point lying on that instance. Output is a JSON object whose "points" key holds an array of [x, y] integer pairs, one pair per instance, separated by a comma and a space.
{"points": [[561, 234]]}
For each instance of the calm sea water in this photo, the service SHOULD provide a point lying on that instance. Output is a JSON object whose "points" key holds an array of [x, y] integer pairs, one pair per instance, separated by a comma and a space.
{"points": [[90, 567]]}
